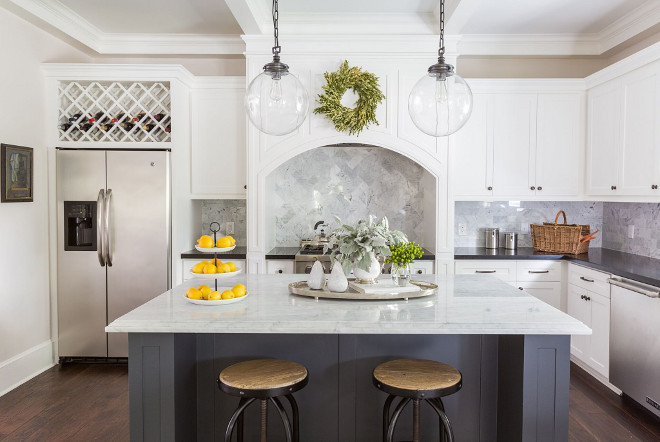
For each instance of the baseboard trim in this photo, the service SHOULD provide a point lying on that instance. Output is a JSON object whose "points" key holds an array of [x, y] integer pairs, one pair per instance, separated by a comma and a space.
{"points": [[595, 374], [24, 366]]}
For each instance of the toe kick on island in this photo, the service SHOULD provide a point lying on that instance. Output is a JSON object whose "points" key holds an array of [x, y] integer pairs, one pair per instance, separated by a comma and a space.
{"points": [[515, 387]]}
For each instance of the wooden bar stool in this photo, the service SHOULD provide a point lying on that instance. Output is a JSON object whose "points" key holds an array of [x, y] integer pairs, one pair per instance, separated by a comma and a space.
{"points": [[416, 380], [266, 380]]}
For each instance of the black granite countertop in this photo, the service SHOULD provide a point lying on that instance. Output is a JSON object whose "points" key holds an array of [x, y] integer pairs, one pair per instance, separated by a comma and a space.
{"points": [[290, 253], [626, 265], [238, 253]]}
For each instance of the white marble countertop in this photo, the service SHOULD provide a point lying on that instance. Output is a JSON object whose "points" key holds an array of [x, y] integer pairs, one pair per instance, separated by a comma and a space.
{"points": [[464, 304]]}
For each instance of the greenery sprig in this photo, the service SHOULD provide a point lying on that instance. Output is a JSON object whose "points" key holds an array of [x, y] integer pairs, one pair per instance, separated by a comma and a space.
{"points": [[364, 84], [404, 253]]}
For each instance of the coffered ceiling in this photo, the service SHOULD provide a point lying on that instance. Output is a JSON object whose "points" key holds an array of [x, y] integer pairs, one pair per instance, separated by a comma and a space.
{"points": [[481, 27]]}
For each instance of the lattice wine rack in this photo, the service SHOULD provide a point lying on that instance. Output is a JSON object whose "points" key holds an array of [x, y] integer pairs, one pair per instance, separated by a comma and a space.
{"points": [[114, 111]]}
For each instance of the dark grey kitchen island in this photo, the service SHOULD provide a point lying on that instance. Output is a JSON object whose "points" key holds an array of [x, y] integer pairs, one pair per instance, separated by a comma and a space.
{"points": [[512, 350]]}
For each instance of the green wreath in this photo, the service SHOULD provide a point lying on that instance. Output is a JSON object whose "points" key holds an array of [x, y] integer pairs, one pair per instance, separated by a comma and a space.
{"points": [[364, 84]]}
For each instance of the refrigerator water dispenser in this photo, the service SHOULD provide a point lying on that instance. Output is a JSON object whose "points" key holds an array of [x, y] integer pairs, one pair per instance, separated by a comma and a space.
{"points": [[79, 225]]}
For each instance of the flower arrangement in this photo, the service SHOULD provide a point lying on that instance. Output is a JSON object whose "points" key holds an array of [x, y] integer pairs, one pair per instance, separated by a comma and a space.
{"points": [[404, 253], [356, 246]]}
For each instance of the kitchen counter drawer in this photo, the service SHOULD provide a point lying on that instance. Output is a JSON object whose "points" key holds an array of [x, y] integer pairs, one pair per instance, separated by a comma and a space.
{"points": [[505, 270], [548, 292], [539, 271], [422, 268], [589, 279]]}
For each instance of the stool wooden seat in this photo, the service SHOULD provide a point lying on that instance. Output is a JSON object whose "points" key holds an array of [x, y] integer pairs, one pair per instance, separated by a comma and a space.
{"points": [[416, 380], [266, 380]]}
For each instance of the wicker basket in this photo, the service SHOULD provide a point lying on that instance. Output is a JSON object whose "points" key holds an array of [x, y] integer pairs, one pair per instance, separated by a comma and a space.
{"points": [[560, 238]]}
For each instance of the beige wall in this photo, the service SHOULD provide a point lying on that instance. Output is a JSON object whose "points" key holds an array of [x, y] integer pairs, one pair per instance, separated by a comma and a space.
{"points": [[527, 67], [216, 65], [24, 271]]}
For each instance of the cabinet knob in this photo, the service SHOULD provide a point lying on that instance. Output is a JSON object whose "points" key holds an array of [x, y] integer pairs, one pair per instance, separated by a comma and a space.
{"points": [[520, 288], [490, 187], [613, 187], [539, 188], [532, 188], [245, 187], [654, 186], [280, 271], [588, 298], [419, 272]]}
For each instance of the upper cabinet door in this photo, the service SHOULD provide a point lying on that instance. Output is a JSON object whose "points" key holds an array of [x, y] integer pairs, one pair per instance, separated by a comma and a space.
{"points": [[559, 144], [472, 152], [218, 163], [514, 144], [640, 143], [603, 138]]}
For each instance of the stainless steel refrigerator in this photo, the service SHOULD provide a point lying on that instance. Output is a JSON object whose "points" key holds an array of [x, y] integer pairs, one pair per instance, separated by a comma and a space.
{"points": [[114, 237]]}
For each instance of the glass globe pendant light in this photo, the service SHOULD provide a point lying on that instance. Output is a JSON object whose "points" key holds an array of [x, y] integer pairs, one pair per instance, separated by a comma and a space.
{"points": [[276, 101], [440, 103]]}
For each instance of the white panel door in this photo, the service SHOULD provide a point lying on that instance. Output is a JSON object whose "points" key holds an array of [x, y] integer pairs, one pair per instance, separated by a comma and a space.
{"points": [[514, 143], [640, 139], [599, 355], [559, 146], [218, 163], [472, 152], [580, 309], [603, 138]]}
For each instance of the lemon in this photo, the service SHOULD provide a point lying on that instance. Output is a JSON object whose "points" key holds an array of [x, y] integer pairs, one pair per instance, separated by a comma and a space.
{"points": [[210, 269], [205, 292], [225, 268], [216, 262], [224, 242], [228, 294], [193, 293], [205, 242], [214, 296], [233, 241], [239, 290], [198, 268], [232, 266], [202, 286]]}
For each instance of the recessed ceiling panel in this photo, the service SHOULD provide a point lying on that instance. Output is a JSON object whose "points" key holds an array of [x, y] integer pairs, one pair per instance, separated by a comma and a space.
{"points": [[546, 16], [358, 6], [157, 16]]}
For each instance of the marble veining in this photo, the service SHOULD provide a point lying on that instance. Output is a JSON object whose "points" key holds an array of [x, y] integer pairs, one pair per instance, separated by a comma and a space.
{"points": [[510, 215], [221, 211], [350, 182], [646, 219], [464, 304]]}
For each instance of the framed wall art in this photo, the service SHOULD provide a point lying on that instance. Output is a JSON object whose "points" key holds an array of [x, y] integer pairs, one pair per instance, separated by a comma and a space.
{"points": [[16, 174]]}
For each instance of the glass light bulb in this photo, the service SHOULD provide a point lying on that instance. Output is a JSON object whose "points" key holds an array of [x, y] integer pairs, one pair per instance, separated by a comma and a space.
{"points": [[277, 104], [440, 106]]}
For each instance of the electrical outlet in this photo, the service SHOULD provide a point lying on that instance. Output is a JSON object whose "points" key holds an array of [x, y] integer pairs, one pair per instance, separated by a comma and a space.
{"points": [[462, 229], [631, 231], [524, 228], [229, 227]]}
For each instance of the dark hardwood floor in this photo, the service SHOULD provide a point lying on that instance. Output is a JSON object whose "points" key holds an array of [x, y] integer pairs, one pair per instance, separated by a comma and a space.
{"points": [[85, 402]]}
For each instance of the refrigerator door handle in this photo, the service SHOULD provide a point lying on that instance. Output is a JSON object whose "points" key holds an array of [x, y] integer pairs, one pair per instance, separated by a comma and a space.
{"points": [[107, 229], [100, 237]]}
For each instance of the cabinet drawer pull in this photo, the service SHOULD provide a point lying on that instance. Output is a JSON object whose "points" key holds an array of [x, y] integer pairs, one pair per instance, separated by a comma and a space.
{"points": [[654, 186], [539, 188], [485, 271], [613, 187], [520, 288], [490, 187], [586, 279], [532, 188], [538, 271]]}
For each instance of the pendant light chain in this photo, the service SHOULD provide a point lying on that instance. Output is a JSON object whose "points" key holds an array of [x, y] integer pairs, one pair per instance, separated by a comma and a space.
{"points": [[441, 51], [276, 13]]}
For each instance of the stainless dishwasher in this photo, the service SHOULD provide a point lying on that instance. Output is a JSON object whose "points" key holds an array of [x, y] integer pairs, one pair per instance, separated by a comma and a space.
{"points": [[635, 341]]}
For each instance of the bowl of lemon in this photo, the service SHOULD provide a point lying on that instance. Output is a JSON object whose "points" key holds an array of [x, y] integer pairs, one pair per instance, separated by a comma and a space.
{"points": [[214, 269], [205, 244], [204, 295]]}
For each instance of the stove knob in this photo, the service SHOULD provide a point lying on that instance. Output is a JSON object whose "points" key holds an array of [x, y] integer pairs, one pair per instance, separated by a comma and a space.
{"points": [[308, 269]]}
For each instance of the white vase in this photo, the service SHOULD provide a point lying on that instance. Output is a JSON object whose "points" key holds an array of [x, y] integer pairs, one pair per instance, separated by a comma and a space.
{"points": [[368, 276], [337, 281], [316, 278]]}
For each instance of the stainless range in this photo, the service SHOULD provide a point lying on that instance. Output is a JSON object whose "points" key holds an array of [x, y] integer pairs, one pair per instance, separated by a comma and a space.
{"points": [[308, 255]]}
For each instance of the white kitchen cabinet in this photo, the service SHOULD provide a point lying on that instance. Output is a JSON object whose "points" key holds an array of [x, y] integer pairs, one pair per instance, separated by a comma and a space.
{"points": [[514, 144], [501, 268], [520, 145], [589, 302], [218, 153], [422, 268], [623, 146], [279, 266], [548, 292]]}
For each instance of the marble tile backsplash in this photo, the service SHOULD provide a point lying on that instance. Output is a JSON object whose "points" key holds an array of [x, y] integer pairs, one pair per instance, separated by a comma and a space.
{"points": [[221, 211], [350, 182], [646, 219], [509, 216]]}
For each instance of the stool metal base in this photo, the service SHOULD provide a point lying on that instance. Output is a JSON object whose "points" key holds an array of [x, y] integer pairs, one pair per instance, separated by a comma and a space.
{"points": [[389, 422], [291, 431]]}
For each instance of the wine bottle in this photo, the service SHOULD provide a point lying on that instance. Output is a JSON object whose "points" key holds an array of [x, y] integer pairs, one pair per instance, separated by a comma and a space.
{"points": [[106, 124], [159, 116], [138, 117], [127, 125], [120, 116], [75, 117], [66, 126], [85, 126], [168, 129], [97, 116]]}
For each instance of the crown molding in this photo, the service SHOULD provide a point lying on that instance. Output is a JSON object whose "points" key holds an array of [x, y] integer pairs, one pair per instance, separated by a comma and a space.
{"points": [[630, 63], [120, 72], [628, 26], [67, 21]]}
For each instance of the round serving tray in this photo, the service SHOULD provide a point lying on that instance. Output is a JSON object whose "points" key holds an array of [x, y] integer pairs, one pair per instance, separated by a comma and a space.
{"points": [[214, 249], [217, 301], [215, 275], [301, 288]]}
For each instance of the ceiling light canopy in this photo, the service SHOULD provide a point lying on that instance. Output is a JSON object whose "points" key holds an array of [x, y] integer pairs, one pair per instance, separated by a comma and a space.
{"points": [[440, 103], [276, 101]]}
